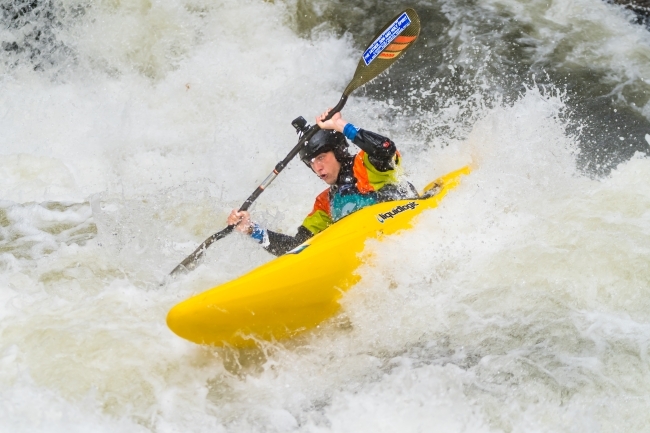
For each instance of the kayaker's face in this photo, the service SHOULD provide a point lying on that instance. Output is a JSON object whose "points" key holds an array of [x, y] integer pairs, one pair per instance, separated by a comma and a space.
{"points": [[326, 167]]}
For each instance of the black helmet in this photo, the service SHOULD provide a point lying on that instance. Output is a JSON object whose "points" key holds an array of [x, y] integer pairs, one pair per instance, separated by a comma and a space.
{"points": [[324, 141]]}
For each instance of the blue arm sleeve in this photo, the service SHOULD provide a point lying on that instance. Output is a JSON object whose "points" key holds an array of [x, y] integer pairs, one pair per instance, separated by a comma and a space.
{"points": [[350, 131], [260, 235]]}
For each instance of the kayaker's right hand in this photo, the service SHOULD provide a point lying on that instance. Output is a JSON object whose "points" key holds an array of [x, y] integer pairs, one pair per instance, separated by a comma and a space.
{"points": [[336, 123], [241, 220]]}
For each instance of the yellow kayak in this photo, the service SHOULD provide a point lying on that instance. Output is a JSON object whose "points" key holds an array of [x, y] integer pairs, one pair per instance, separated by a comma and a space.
{"points": [[297, 291]]}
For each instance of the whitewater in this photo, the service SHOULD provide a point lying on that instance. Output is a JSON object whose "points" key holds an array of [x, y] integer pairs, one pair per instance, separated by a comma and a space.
{"points": [[130, 129]]}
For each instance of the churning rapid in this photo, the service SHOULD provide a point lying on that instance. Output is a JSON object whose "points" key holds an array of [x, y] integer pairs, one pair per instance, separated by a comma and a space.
{"points": [[129, 130]]}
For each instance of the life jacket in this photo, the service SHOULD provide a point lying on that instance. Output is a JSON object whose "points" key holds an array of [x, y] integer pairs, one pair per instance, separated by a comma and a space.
{"points": [[359, 184]]}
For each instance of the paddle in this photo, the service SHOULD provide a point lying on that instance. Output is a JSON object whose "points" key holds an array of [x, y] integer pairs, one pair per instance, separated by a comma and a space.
{"points": [[388, 45]]}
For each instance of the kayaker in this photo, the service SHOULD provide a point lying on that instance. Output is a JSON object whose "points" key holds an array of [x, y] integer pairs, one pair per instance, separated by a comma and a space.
{"points": [[355, 181]]}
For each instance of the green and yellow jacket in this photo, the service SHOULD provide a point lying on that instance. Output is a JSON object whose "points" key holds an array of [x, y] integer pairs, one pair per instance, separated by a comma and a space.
{"points": [[371, 176]]}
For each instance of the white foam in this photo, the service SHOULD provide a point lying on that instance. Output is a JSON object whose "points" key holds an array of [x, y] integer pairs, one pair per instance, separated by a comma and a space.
{"points": [[520, 304]]}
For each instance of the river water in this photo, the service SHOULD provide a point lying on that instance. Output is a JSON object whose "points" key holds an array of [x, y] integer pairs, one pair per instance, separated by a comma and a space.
{"points": [[129, 129]]}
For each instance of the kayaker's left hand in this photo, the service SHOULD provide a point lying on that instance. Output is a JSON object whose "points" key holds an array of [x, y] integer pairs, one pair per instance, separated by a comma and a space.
{"points": [[241, 220]]}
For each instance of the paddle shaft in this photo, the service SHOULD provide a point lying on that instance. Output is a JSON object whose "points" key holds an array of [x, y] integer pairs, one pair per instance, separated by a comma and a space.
{"points": [[190, 261], [378, 56]]}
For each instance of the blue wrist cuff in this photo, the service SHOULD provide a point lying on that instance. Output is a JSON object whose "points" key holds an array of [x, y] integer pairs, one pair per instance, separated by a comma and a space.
{"points": [[259, 234], [350, 131]]}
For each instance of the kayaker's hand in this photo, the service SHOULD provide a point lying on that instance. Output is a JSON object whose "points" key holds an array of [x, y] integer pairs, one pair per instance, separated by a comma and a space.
{"points": [[241, 219], [336, 123]]}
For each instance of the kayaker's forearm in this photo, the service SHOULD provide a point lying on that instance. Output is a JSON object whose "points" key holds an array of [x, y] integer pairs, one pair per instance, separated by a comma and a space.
{"points": [[380, 149], [279, 243]]}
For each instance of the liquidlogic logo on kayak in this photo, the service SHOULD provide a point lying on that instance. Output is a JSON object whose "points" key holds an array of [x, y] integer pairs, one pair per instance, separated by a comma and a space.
{"points": [[396, 210]]}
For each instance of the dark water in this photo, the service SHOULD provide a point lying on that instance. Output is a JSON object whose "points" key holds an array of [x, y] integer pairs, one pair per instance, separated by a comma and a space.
{"points": [[471, 48]]}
